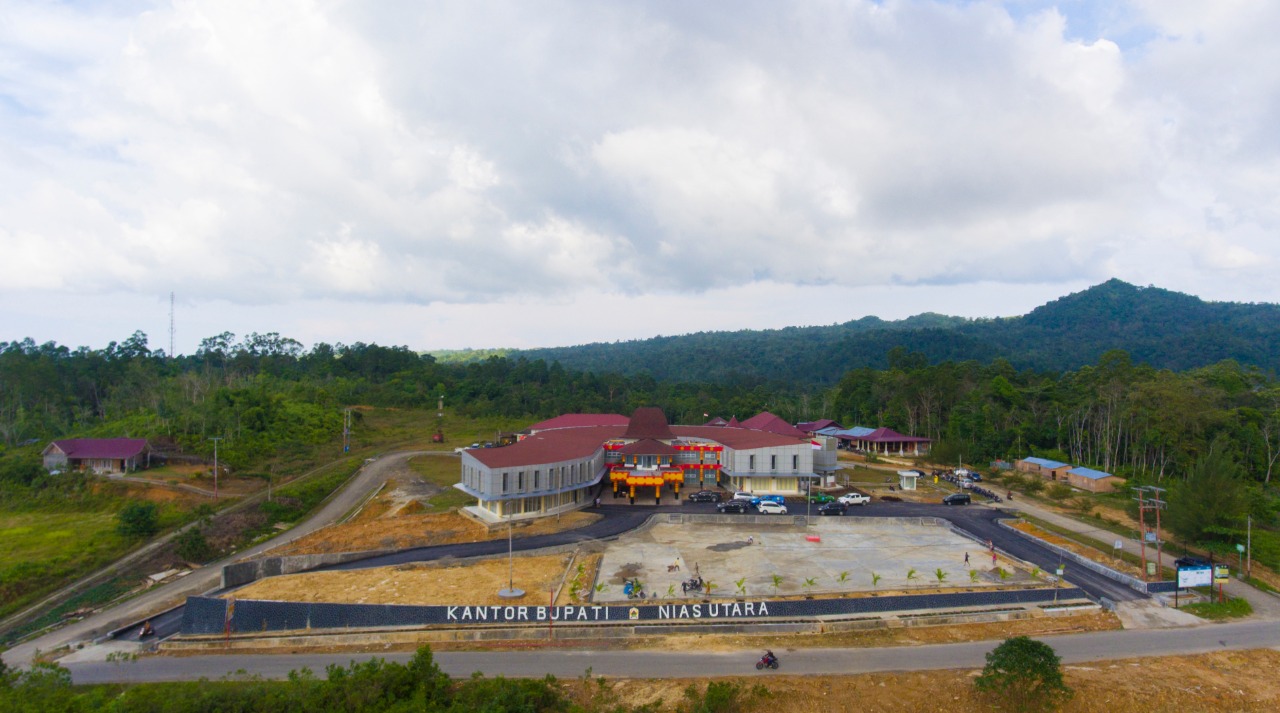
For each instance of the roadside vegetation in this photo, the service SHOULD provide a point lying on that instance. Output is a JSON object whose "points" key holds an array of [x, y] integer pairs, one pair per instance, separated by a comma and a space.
{"points": [[1231, 608]]}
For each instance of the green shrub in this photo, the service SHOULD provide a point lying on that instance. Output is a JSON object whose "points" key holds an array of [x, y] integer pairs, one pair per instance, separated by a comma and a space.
{"points": [[1024, 675], [193, 546], [138, 519], [719, 697]]}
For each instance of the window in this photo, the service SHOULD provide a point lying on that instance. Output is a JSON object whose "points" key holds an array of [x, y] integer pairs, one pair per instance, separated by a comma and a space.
{"points": [[537, 477], [773, 462], [506, 484], [795, 462], [520, 481], [751, 462]]}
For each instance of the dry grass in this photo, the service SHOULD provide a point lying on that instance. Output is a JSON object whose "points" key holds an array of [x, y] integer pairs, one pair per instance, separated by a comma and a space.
{"points": [[437, 583], [1220, 681]]}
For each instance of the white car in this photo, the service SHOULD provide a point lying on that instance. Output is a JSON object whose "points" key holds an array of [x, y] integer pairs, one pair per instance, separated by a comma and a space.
{"points": [[768, 507], [854, 499], [743, 496]]}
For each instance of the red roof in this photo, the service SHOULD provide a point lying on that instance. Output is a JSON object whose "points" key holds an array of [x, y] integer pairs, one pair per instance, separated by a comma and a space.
{"points": [[766, 421], [551, 446], [113, 448], [561, 444], [888, 435], [647, 447], [580, 420], [736, 438], [649, 422]]}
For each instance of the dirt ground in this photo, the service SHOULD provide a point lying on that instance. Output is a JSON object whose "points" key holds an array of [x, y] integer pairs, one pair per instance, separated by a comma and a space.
{"points": [[1219, 681], [1088, 620], [435, 583], [395, 520]]}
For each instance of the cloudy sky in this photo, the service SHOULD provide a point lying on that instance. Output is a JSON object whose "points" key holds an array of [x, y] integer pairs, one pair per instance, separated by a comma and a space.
{"points": [[539, 173]]}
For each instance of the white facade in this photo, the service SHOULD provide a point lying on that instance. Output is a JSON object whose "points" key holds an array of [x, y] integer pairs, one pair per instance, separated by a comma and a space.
{"points": [[529, 490]]}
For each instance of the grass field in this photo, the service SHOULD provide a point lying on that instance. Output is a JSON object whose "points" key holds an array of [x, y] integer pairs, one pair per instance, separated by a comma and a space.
{"points": [[443, 473], [41, 550]]}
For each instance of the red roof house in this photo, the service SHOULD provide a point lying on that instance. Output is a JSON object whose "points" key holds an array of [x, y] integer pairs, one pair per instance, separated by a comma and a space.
{"points": [[100, 455]]}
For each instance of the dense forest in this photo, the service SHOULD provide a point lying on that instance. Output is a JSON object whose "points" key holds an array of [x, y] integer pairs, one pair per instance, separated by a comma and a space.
{"points": [[265, 393], [1164, 329]]}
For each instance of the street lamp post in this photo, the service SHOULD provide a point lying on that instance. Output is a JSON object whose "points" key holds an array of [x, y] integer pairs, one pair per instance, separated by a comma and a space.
{"points": [[510, 592]]}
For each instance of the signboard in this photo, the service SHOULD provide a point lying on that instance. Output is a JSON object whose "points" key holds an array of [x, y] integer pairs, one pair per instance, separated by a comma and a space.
{"points": [[1195, 577], [1221, 573]]}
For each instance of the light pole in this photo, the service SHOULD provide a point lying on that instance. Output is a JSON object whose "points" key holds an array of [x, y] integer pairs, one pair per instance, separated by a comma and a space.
{"points": [[510, 592], [215, 466]]}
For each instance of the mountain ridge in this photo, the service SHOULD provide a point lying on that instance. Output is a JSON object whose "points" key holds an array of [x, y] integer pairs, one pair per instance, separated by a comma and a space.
{"points": [[1160, 327]]}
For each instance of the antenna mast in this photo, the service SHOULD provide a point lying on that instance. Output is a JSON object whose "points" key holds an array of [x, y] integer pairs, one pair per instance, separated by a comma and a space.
{"points": [[171, 329]]}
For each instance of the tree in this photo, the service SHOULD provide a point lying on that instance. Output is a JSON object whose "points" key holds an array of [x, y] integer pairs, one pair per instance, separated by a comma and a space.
{"points": [[138, 519], [1212, 501], [1024, 675]]}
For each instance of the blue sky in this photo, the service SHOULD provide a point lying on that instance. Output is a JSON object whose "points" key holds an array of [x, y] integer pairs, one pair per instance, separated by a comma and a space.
{"points": [[486, 174]]}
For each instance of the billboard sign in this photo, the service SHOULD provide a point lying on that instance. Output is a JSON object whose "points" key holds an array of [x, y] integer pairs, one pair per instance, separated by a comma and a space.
{"points": [[1221, 573], [1195, 577]]}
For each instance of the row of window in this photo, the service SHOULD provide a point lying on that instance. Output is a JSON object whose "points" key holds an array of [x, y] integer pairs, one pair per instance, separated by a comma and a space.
{"points": [[553, 478], [773, 463]]}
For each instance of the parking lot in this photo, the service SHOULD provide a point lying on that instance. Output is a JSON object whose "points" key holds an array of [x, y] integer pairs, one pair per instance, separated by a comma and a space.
{"points": [[849, 556]]}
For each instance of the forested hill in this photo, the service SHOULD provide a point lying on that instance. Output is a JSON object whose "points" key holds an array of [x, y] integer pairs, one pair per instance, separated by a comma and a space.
{"points": [[1162, 328]]}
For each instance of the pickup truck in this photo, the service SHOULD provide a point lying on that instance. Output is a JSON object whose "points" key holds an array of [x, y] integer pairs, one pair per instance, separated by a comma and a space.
{"points": [[855, 499]]}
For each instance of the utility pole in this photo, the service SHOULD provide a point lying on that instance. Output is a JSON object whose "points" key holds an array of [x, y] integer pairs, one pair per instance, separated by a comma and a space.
{"points": [[346, 431], [1248, 568], [1144, 504], [215, 466]]}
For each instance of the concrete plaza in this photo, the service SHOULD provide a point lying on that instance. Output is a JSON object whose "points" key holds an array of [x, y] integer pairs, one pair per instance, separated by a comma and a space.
{"points": [[846, 555]]}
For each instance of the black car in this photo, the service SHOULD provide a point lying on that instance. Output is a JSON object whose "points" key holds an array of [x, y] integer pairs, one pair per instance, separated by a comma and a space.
{"points": [[734, 506], [957, 499], [833, 508], [705, 496]]}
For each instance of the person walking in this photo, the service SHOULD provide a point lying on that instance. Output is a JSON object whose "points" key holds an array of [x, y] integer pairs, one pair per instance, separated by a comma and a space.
{"points": [[966, 559]]}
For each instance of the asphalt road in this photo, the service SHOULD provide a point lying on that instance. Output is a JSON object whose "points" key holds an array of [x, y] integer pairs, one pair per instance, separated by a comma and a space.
{"points": [[565, 663]]}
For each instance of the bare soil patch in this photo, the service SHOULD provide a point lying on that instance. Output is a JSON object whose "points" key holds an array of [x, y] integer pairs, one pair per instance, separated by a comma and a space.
{"points": [[438, 583], [397, 519]]}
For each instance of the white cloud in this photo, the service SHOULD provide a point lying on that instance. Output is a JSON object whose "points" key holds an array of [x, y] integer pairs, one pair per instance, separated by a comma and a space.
{"points": [[484, 153]]}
